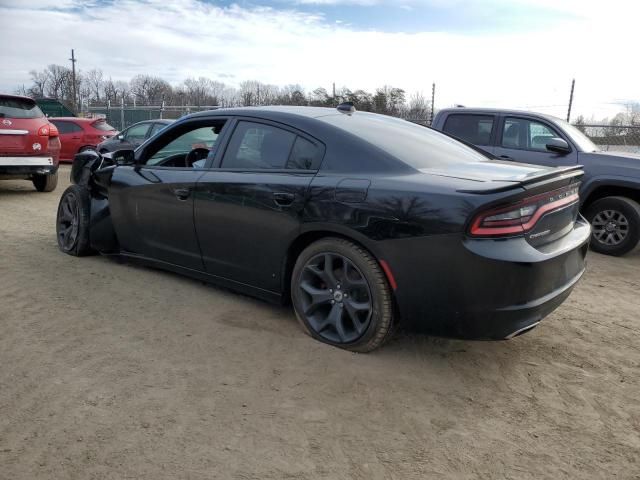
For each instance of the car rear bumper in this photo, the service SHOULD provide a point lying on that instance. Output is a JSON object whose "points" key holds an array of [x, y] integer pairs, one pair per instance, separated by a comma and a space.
{"points": [[493, 290], [26, 166]]}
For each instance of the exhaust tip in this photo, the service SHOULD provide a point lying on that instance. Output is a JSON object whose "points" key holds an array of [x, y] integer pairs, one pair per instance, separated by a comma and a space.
{"points": [[522, 330]]}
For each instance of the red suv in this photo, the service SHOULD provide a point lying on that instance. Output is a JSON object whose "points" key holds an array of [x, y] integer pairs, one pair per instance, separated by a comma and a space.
{"points": [[80, 134], [29, 144]]}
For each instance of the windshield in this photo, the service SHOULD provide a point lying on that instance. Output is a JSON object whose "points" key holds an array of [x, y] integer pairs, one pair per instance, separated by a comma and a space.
{"points": [[19, 108], [584, 143], [418, 146]]}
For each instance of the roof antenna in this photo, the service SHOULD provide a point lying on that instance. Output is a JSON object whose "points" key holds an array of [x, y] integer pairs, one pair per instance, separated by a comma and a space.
{"points": [[346, 107]]}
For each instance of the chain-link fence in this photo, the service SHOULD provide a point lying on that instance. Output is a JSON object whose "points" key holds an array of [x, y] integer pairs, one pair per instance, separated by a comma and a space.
{"points": [[123, 116], [614, 137]]}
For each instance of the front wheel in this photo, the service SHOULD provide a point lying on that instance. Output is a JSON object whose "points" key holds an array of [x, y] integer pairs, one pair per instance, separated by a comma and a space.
{"points": [[72, 223], [45, 182], [615, 222], [341, 296]]}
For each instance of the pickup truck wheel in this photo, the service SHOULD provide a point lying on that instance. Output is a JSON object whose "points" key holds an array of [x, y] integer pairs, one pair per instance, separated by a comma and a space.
{"points": [[615, 222], [45, 183], [72, 221]]}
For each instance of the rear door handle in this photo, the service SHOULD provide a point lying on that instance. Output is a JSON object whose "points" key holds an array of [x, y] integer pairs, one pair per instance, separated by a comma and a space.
{"points": [[506, 157], [283, 199], [182, 193]]}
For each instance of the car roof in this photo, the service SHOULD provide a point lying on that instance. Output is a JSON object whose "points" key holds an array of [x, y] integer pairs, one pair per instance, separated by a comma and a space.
{"points": [[155, 120], [266, 112], [503, 111], [76, 119], [18, 97]]}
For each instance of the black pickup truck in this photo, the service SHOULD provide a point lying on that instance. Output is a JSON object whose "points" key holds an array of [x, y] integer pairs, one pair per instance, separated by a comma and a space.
{"points": [[610, 191]]}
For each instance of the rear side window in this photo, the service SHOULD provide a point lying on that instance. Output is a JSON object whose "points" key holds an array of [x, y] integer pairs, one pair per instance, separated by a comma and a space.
{"points": [[66, 127], [19, 108], [305, 155], [102, 125], [417, 146], [259, 146], [475, 129], [137, 132], [156, 128]]}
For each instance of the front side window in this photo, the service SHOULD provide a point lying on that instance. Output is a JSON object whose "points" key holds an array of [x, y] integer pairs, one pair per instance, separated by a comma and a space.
{"points": [[189, 149], [526, 134], [137, 132], [475, 129], [19, 108], [258, 146]]}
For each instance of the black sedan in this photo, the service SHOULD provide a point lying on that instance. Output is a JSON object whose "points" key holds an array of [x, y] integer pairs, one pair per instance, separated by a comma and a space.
{"points": [[364, 222]]}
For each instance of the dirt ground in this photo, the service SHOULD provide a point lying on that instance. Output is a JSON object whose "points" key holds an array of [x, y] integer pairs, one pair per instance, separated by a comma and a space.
{"points": [[111, 371]]}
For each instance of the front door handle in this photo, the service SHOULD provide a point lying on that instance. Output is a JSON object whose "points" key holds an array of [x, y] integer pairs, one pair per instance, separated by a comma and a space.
{"points": [[182, 193], [283, 199], [506, 157]]}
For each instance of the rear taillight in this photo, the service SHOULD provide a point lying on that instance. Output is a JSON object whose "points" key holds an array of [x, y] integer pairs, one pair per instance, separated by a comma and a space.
{"points": [[521, 217], [49, 130]]}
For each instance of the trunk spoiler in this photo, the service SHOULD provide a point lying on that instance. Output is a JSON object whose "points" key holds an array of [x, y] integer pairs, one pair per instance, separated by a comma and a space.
{"points": [[534, 181]]}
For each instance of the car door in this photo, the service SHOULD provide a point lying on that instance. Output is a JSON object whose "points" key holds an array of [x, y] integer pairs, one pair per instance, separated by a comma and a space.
{"points": [[70, 136], [248, 210], [523, 139], [152, 202], [474, 128]]}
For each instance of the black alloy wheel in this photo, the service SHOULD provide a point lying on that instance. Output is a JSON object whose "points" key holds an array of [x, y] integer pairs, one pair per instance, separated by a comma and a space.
{"points": [[72, 221], [68, 222], [335, 297], [341, 295]]}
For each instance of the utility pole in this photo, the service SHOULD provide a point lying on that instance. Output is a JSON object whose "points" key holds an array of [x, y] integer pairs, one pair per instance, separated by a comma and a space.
{"points": [[334, 94], [73, 79], [573, 84], [433, 101]]}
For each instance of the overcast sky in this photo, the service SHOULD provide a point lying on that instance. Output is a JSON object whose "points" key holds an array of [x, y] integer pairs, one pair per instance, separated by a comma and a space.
{"points": [[504, 53]]}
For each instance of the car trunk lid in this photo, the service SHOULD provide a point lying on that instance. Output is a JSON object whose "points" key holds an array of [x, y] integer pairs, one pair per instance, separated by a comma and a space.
{"points": [[20, 121], [537, 202]]}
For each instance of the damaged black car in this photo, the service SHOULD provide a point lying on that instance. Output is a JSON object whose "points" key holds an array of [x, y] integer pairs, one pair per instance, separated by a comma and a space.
{"points": [[362, 221]]}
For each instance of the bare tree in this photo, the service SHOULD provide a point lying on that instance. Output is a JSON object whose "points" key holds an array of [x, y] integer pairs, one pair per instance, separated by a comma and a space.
{"points": [[39, 81], [94, 83]]}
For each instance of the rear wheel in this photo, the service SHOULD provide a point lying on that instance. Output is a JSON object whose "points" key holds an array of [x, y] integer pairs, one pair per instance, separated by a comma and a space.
{"points": [[341, 296], [45, 182], [72, 223], [615, 222]]}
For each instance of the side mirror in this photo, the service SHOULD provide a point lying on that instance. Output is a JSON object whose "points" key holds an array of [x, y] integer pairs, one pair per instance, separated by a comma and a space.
{"points": [[120, 137], [558, 145], [124, 157]]}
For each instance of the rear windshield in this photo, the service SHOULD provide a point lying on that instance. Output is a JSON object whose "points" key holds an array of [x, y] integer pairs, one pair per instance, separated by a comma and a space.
{"points": [[19, 108], [102, 125], [418, 146]]}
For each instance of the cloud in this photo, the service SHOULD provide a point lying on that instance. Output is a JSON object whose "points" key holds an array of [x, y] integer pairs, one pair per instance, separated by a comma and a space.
{"points": [[185, 38]]}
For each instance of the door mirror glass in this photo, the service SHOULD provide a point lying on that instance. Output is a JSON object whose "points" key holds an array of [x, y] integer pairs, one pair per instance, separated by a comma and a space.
{"points": [[124, 157], [558, 145]]}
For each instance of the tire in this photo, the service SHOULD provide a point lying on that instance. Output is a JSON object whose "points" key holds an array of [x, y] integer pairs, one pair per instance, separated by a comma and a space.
{"points": [[616, 225], [353, 312], [45, 183], [72, 221]]}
